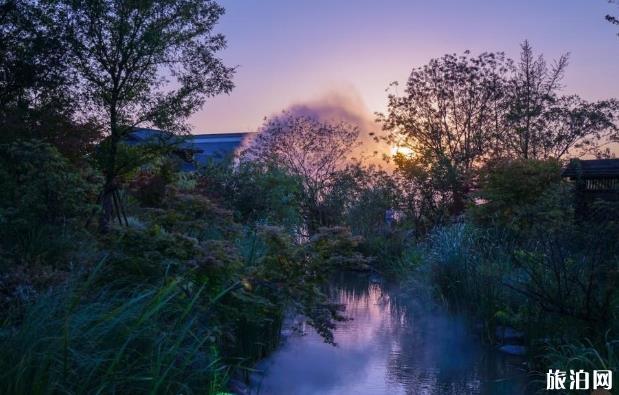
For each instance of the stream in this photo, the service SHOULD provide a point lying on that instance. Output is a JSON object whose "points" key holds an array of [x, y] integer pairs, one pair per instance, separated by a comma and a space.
{"points": [[387, 347]]}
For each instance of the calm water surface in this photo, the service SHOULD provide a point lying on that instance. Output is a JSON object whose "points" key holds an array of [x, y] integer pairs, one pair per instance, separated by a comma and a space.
{"points": [[387, 348]]}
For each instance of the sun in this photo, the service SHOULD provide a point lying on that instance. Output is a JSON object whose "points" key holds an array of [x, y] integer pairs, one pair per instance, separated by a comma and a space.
{"points": [[405, 151]]}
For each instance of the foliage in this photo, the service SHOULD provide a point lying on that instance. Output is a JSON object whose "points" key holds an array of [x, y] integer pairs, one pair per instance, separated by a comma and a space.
{"points": [[425, 190], [255, 192], [447, 117], [36, 95], [359, 197], [583, 355], [554, 282], [195, 285], [254, 273], [43, 201], [149, 339], [460, 113], [309, 149], [520, 193], [542, 124], [157, 172], [571, 273], [369, 201], [465, 266], [140, 64], [611, 18], [297, 273]]}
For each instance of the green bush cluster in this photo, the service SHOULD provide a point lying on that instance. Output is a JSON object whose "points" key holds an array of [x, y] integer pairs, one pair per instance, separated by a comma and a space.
{"points": [[190, 290], [43, 203], [522, 258]]}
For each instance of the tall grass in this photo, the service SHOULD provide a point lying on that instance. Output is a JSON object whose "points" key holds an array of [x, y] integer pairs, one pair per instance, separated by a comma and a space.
{"points": [[584, 355], [456, 259], [84, 341]]}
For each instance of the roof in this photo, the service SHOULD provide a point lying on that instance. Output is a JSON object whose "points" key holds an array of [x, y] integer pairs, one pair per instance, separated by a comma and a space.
{"points": [[207, 146], [151, 136], [214, 145], [595, 168]]}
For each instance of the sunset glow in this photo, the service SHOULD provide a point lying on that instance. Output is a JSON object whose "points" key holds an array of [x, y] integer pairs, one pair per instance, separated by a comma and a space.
{"points": [[309, 197], [320, 47], [402, 150]]}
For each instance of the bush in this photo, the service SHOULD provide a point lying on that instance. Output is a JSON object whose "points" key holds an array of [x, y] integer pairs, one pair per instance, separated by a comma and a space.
{"points": [[466, 266], [583, 355], [43, 203], [250, 275], [517, 194], [256, 193]]}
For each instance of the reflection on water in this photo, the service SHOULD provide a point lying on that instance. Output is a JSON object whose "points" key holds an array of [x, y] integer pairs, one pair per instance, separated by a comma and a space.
{"points": [[388, 349]]}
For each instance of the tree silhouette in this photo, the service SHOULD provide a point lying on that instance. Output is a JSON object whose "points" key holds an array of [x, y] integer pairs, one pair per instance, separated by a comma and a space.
{"points": [[308, 148], [142, 63], [540, 123], [613, 19], [36, 86], [448, 117]]}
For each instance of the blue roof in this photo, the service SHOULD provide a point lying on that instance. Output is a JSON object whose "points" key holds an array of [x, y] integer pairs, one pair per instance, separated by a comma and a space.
{"points": [[205, 147], [215, 146]]}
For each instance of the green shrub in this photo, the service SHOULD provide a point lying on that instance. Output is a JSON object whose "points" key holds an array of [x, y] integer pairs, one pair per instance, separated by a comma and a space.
{"points": [[582, 355], [43, 203], [467, 267], [256, 193], [517, 194]]}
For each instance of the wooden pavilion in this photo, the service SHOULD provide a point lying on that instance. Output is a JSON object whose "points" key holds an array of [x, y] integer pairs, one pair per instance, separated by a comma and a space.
{"points": [[595, 180]]}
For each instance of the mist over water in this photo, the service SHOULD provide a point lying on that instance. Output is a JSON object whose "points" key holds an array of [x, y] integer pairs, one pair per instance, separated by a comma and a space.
{"points": [[388, 348]]}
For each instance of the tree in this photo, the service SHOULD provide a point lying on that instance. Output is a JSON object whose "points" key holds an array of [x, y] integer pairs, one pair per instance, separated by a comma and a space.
{"points": [[36, 95], [448, 116], [141, 63], [520, 193], [257, 194], [361, 197], [311, 149], [457, 113], [542, 124]]}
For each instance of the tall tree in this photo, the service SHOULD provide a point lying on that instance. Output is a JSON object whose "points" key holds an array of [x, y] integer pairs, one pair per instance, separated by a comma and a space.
{"points": [[308, 148], [448, 117], [540, 123], [141, 63], [458, 112], [36, 99]]}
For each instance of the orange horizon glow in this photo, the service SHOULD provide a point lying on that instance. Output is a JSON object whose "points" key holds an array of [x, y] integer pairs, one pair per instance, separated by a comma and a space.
{"points": [[402, 150]]}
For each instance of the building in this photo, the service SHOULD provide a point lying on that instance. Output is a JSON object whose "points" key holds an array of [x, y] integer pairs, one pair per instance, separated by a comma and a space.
{"points": [[192, 150], [595, 180], [598, 176], [216, 146]]}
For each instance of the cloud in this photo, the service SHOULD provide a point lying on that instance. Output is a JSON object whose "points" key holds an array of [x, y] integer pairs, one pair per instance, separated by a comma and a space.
{"points": [[345, 105], [339, 106]]}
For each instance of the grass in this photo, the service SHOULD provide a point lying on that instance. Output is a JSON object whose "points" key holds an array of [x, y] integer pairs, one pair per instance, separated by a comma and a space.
{"points": [[584, 355], [144, 340]]}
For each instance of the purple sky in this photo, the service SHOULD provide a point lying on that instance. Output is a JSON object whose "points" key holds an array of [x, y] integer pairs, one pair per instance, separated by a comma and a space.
{"points": [[346, 52]]}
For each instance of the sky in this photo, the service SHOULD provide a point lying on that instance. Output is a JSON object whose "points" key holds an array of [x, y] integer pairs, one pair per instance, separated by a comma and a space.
{"points": [[344, 53]]}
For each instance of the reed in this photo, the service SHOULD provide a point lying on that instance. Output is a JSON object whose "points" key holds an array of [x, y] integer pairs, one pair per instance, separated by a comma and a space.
{"points": [[143, 340]]}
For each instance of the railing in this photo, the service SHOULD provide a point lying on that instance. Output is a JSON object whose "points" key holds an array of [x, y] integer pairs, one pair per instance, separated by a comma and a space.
{"points": [[602, 184]]}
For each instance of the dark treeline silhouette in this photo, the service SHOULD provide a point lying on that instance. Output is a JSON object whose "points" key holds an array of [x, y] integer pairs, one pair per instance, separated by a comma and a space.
{"points": [[185, 280], [459, 113]]}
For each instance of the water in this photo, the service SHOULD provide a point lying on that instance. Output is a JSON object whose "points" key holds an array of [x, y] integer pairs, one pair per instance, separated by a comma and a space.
{"points": [[388, 348]]}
